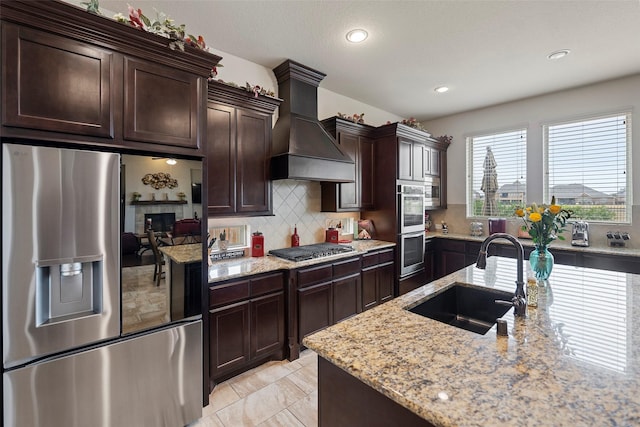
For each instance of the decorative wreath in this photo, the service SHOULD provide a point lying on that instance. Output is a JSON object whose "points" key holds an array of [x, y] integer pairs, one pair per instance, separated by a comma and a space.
{"points": [[159, 180]]}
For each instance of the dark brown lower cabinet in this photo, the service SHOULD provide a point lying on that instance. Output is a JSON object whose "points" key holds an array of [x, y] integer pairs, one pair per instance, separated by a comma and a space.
{"points": [[325, 294], [346, 296], [246, 324], [452, 255], [229, 328], [267, 325], [315, 308], [377, 278]]}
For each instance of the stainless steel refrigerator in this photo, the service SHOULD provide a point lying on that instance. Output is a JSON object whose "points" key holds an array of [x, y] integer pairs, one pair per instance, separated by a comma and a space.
{"points": [[65, 361]]}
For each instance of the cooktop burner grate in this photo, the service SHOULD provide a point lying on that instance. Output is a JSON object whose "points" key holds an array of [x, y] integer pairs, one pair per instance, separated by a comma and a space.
{"points": [[317, 250]]}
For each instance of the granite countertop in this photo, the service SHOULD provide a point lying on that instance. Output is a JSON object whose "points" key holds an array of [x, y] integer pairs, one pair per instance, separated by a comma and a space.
{"points": [[529, 243], [572, 362], [239, 267], [183, 254]]}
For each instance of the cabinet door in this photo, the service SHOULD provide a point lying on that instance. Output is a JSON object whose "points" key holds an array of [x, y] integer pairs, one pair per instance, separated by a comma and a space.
{"points": [[385, 282], [55, 84], [452, 261], [429, 261], [349, 191], [315, 309], [346, 297], [369, 287], [221, 159], [426, 161], [367, 177], [253, 184], [230, 344], [267, 325], [405, 152], [162, 105], [418, 161], [435, 162]]}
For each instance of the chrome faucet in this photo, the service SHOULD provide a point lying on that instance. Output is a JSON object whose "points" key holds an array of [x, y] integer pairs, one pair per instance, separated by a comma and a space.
{"points": [[519, 301]]}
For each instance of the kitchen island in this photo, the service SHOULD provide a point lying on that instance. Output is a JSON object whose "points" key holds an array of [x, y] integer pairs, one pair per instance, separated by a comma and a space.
{"points": [[572, 361], [183, 277]]}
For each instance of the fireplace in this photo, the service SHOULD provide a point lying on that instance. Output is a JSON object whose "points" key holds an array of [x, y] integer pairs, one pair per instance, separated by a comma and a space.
{"points": [[160, 221]]}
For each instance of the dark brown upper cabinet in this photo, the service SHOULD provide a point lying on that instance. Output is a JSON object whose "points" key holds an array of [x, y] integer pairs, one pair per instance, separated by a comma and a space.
{"points": [[56, 84], [239, 151], [70, 76], [356, 141], [162, 105]]}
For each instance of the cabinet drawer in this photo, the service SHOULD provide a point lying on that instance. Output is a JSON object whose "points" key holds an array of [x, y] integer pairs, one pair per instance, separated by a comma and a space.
{"points": [[312, 275], [370, 259], [385, 256], [453, 245], [266, 284], [226, 294], [344, 268]]}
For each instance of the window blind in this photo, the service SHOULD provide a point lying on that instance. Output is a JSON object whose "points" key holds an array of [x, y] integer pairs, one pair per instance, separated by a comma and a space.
{"points": [[509, 149], [587, 167]]}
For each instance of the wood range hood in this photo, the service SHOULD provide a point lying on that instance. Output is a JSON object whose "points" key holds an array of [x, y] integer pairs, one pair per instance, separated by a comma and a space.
{"points": [[302, 148]]}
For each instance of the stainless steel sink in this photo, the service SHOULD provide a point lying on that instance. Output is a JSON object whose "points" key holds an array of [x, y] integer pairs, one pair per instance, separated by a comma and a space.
{"points": [[466, 307]]}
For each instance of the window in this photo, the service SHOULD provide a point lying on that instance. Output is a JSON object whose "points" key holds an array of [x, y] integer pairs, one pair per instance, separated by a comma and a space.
{"points": [[496, 173], [587, 167]]}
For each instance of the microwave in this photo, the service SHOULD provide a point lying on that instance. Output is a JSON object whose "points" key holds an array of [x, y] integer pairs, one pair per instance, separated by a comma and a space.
{"points": [[432, 193]]}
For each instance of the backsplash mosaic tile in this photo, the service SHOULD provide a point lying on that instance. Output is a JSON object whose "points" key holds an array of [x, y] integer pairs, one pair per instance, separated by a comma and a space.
{"points": [[294, 203]]}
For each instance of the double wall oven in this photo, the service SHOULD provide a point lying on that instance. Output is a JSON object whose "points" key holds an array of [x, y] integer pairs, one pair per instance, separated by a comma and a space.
{"points": [[411, 202]]}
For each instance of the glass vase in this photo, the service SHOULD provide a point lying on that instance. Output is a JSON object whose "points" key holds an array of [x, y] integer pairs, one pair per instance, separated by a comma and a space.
{"points": [[541, 261]]}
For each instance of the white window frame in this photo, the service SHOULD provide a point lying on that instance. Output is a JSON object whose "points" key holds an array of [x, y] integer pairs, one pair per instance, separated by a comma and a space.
{"points": [[470, 169], [629, 188]]}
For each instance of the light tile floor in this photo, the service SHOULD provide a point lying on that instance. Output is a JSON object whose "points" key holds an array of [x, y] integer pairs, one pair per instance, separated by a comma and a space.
{"points": [[278, 394]]}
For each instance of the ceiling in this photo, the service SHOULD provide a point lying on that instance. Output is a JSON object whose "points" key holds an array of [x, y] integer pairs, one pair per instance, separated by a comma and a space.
{"points": [[488, 52]]}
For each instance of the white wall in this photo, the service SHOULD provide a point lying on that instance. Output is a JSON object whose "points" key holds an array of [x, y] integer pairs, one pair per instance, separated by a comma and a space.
{"points": [[604, 97], [240, 71], [610, 96]]}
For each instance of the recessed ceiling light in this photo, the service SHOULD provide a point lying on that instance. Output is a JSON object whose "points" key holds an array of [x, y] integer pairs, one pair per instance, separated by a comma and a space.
{"points": [[441, 89], [558, 54], [171, 162], [357, 36]]}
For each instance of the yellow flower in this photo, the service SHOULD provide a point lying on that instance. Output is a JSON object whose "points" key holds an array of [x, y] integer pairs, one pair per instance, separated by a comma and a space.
{"points": [[535, 217], [554, 209], [520, 212], [529, 210]]}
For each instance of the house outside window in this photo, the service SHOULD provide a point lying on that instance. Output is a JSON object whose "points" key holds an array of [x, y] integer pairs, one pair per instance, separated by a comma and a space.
{"points": [[588, 167], [508, 150]]}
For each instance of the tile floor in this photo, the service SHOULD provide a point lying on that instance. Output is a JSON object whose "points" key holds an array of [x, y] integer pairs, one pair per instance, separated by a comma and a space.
{"points": [[143, 303], [282, 394]]}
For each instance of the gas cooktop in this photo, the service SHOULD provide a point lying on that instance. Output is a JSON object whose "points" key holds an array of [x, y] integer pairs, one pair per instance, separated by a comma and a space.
{"points": [[317, 250]]}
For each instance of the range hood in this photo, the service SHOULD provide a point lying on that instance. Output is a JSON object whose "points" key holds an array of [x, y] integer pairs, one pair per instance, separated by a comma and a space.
{"points": [[302, 148]]}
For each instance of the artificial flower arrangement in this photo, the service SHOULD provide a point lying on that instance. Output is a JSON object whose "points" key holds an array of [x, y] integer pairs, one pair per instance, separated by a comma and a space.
{"points": [[411, 122], [255, 89], [356, 118], [162, 26], [447, 139], [544, 223]]}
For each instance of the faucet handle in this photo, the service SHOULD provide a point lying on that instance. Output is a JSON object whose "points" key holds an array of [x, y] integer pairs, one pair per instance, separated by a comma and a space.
{"points": [[519, 304]]}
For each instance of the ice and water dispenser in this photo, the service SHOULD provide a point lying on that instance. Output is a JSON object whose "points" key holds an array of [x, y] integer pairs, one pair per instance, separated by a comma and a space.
{"points": [[68, 290]]}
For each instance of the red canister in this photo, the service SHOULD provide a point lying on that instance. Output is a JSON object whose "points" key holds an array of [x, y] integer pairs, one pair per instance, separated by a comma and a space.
{"points": [[331, 235], [257, 244]]}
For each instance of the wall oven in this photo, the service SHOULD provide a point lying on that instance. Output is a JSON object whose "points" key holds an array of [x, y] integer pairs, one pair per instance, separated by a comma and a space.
{"points": [[410, 208], [411, 252], [432, 193]]}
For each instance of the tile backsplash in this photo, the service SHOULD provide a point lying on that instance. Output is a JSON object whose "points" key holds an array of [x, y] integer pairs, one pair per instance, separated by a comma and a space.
{"points": [[294, 202]]}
